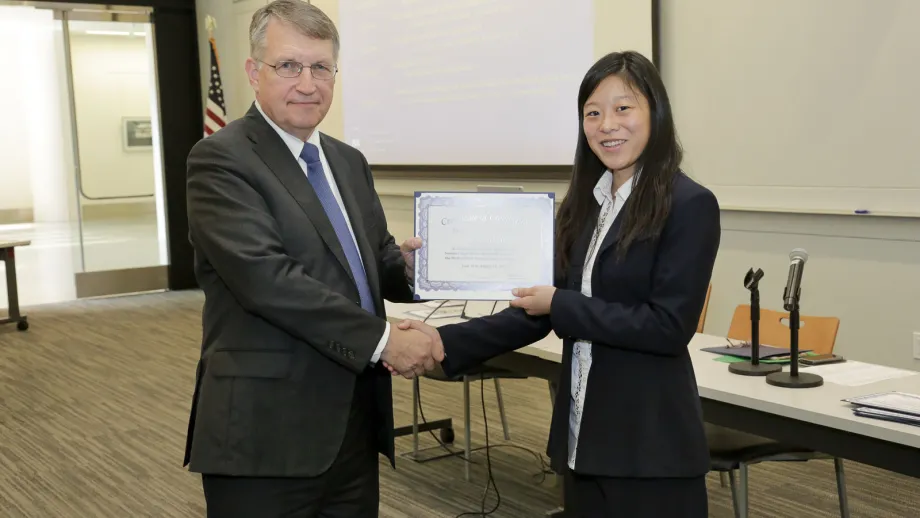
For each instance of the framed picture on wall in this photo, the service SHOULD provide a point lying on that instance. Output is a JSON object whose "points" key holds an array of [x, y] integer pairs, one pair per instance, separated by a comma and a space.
{"points": [[137, 133]]}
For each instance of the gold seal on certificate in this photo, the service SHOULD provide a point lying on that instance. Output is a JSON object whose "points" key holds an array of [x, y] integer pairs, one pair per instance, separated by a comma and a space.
{"points": [[480, 246]]}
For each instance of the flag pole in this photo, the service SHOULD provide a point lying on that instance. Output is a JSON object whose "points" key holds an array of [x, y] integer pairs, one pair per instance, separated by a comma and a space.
{"points": [[210, 23]]}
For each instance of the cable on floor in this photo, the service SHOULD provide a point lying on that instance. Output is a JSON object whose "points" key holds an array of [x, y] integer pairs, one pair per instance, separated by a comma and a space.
{"points": [[490, 482]]}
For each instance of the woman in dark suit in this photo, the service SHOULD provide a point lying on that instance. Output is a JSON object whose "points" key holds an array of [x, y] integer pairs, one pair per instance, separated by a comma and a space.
{"points": [[636, 243]]}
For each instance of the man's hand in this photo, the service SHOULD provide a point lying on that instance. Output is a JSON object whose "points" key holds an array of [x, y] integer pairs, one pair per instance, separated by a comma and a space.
{"points": [[535, 301], [411, 353], [430, 332], [408, 249]]}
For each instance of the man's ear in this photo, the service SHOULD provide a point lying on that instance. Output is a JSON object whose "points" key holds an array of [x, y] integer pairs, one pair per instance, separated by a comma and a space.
{"points": [[252, 72]]}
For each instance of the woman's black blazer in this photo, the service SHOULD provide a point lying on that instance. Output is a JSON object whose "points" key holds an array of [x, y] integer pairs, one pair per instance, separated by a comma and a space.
{"points": [[642, 415]]}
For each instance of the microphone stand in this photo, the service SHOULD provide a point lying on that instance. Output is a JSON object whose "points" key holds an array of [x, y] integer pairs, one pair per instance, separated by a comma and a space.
{"points": [[793, 378], [754, 367]]}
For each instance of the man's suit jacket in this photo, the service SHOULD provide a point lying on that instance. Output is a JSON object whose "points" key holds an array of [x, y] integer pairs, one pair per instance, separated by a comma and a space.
{"points": [[642, 415], [284, 336]]}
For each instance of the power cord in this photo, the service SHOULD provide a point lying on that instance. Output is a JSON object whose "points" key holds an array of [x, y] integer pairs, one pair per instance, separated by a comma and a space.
{"points": [[490, 482], [539, 478]]}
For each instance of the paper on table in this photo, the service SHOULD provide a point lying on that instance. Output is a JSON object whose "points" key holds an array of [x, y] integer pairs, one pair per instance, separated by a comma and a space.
{"points": [[443, 303], [892, 401], [444, 312], [447, 312], [854, 374], [746, 351], [887, 415], [773, 359], [419, 313]]}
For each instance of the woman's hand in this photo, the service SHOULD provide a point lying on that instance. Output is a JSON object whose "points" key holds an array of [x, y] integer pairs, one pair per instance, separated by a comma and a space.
{"points": [[535, 301]]}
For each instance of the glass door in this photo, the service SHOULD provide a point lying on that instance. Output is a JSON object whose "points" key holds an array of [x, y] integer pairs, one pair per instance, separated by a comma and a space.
{"points": [[81, 175], [115, 139]]}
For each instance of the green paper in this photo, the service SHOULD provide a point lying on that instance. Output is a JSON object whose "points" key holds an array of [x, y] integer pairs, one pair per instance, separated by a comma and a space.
{"points": [[735, 359]]}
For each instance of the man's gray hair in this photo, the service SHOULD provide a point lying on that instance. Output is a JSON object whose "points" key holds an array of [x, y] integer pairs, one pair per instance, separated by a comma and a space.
{"points": [[308, 19]]}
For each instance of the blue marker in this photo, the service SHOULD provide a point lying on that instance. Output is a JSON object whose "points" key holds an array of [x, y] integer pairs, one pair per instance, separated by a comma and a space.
{"points": [[861, 211]]}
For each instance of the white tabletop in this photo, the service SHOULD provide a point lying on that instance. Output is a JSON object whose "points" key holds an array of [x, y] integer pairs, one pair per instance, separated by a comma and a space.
{"points": [[13, 244], [820, 405]]}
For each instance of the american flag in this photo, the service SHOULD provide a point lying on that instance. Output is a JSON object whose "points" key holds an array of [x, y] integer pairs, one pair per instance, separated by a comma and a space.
{"points": [[215, 115]]}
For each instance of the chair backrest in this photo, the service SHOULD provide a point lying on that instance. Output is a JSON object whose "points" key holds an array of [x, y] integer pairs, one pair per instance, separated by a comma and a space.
{"points": [[817, 334], [699, 326]]}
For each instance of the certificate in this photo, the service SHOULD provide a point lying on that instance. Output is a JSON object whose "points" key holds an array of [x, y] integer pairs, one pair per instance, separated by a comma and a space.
{"points": [[480, 246]]}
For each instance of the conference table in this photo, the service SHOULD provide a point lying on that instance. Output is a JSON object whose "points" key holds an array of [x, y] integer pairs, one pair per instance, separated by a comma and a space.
{"points": [[815, 418], [8, 256]]}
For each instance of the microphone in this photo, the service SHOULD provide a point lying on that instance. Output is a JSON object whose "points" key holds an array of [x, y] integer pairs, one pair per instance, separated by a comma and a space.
{"points": [[752, 279], [794, 378], [753, 367], [797, 259]]}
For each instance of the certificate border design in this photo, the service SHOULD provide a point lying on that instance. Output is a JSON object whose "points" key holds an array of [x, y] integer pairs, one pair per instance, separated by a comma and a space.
{"points": [[423, 203]]}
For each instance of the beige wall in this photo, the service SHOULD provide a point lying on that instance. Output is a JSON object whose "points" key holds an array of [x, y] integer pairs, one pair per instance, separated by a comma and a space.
{"points": [[864, 271]]}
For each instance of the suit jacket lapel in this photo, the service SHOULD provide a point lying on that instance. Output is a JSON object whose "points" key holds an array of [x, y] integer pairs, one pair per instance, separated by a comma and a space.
{"points": [[271, 149], [613, 234], [579, 257], [582, 246], [344, 178]]}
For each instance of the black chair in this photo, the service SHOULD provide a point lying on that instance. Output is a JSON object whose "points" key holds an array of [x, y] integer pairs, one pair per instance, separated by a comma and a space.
{"points": [[733, 450], [482, 373]]}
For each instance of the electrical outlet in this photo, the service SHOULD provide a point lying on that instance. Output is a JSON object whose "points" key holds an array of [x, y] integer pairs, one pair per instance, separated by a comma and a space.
{"points": [[917, 345]]}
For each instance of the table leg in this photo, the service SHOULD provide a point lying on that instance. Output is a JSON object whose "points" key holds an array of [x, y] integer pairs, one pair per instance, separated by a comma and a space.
{"points": [[12, 295], [12, 292], [467, 453]]}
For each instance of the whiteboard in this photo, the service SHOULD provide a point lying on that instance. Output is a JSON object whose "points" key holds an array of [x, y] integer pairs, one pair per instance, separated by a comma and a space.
{"points": [[469, 82], [801, 106]]}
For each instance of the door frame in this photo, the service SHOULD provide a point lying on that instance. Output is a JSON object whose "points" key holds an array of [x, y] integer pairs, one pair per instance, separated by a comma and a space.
{"points": [[178, 80], [97, 283]]}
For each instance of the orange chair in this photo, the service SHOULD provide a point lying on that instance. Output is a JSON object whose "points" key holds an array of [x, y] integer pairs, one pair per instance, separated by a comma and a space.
{"points": [[699, 327], [817, 334], [732, 450]]}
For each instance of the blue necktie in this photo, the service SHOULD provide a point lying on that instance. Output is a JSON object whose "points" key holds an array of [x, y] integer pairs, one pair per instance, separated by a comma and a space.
{"points": [[320, 183]]}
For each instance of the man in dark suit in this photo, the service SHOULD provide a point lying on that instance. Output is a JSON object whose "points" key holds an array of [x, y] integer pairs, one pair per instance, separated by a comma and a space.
{"points": [[292, 403]]}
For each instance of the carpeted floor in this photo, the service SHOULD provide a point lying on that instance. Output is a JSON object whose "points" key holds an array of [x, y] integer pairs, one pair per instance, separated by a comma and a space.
{"points": [[93, 413]]}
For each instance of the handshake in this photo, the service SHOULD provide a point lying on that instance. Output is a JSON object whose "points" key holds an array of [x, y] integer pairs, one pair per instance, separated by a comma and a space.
{"points": [[412, 349]]}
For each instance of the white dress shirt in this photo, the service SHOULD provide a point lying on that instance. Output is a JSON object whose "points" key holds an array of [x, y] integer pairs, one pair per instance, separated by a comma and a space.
{"points": [[296, 146], [581, 355]]}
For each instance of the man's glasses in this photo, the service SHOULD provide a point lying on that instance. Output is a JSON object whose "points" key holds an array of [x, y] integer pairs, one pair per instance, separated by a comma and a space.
{"points": [[291, 69]]}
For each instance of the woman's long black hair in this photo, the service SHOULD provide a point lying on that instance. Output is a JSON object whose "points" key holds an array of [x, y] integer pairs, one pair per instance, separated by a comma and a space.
{"points": [[646, 210]]}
